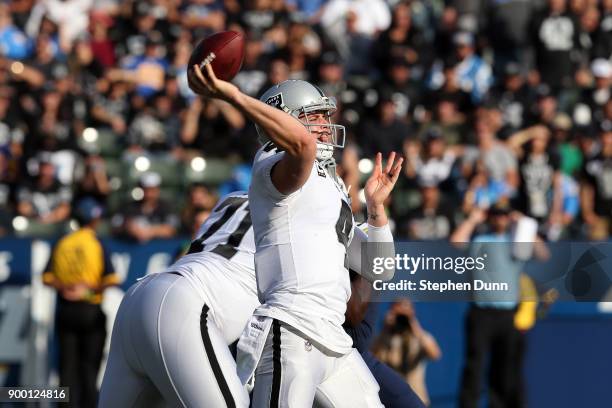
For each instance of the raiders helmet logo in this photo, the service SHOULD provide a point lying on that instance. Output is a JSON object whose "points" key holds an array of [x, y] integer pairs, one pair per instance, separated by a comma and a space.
{"points": [[276, 101]]}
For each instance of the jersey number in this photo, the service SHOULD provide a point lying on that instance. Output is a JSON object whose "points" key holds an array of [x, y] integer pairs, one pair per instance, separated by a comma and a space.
{"points": [[228, 249], [344, 225]]}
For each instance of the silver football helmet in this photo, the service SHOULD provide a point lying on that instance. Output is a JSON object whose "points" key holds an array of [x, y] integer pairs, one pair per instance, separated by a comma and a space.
{"points": [[299, 98]]}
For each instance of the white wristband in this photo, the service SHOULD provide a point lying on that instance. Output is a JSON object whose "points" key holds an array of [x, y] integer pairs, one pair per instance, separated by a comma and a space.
{"points": [[380, 234]]}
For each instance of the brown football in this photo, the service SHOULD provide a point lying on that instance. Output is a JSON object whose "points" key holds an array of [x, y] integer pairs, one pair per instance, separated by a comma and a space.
{"points": [[228, 48]]}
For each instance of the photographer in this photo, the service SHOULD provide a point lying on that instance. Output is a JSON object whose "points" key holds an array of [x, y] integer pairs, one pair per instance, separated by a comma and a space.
{"points": [[405, 346]]}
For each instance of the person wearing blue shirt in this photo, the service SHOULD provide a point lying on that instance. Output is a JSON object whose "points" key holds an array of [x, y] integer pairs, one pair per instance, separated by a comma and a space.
{"points": [[490, 319], [14, 44], [474, 75], [311, 9]]}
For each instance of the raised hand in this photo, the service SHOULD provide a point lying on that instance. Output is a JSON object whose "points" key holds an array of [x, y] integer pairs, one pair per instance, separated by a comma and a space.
{"points": [[381, 183]]}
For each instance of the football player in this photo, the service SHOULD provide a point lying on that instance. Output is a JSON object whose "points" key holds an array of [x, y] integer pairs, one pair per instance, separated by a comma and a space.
{"points": [[171, 334], [295, 345]]}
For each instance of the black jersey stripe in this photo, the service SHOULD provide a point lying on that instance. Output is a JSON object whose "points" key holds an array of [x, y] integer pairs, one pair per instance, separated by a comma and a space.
{"points": [[230, 205]]}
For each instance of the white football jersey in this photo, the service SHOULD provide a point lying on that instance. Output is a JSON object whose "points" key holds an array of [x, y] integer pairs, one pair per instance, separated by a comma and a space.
{"points": [[301, 241], [220, 264]]}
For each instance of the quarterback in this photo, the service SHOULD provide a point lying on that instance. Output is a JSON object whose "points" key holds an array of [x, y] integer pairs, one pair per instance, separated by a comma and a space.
{"points": [[295, 346]]}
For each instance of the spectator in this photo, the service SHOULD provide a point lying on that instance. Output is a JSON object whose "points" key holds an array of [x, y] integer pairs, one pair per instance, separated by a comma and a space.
{"points": [[433, 220], [201, 200], [302, 46], [507, 30], [331, 75], [55, 126], [310, 9], [483, 191], [567, 147], [595, 99], [405, 346], [539, 164], [71, 16], [545, 109], [603, 47], [595, 189], [352, 27], [102, 46], [589, 33], [447, 120], [403, 89], [436, 164], [151, 217], [253, 73], [400, 41], [497, 160], [110, 106], [94, 184], [514, 99], [444, 83], [211, 127], [260, 17], [386, 131], [474, 74], [6, 213], [554, 36], [146, 71], [13, 42], [80, 270], [278, 71], [156, 128], [369, 18], [44, 199]]}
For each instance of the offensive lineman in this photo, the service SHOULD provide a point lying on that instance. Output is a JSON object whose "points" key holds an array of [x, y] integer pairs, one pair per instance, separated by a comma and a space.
{"points": [[294, 344], [171, 334]]}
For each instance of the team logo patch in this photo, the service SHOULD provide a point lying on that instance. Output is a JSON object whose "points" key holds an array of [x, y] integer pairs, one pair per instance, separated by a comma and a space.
{"points": [[307, 345], [276, 101]]}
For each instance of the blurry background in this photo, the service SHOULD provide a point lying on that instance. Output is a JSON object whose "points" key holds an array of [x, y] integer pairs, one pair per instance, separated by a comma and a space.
{"points": [[489, 101]]}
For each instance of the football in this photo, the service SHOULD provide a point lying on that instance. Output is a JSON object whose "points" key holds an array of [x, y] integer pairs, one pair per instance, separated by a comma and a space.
{"points": [[228, 50]]}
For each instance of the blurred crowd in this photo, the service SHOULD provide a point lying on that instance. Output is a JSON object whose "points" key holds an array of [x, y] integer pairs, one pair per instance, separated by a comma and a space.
{"points": [[489, 101]]}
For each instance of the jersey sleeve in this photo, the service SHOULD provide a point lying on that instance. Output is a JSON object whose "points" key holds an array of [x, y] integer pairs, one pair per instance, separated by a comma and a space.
{"points": [[380, 244], [262, 176]]}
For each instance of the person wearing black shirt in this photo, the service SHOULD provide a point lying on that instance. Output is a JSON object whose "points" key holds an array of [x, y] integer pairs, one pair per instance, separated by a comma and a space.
{"points": [[594, 99], [401, 40], [44, 200], [433, 220], [386, 132], [150, 217], [596, 188], [404, 91], [212, 127], [95, 183], [513, 97], [540, 177], [554, 35]]}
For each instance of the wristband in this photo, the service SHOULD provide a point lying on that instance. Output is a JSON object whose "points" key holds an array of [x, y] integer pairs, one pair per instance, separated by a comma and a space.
{"points": [[380, 234]]}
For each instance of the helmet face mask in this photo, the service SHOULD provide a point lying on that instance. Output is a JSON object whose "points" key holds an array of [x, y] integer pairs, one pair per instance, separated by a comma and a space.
{"points": [[304, 101]]}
